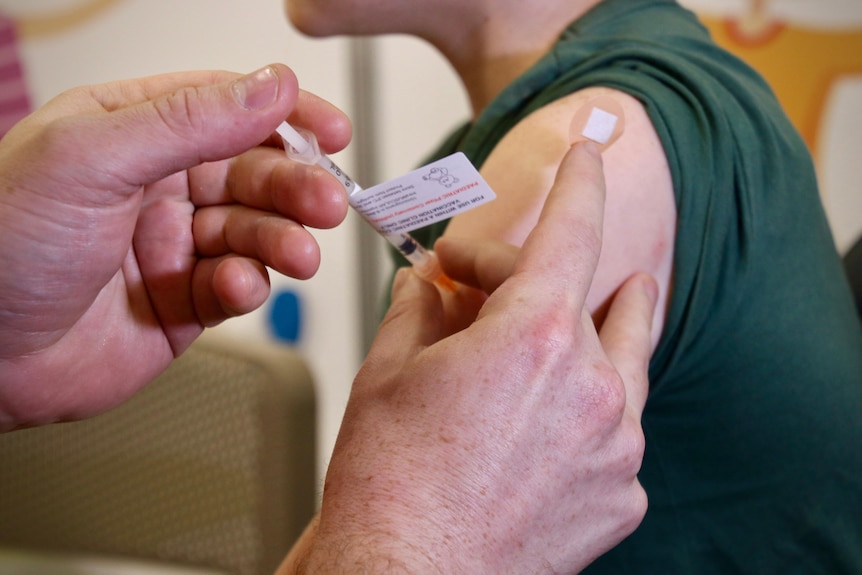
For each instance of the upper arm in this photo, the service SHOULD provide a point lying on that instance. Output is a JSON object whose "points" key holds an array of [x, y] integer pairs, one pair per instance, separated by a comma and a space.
{"points": [[640, 211]]}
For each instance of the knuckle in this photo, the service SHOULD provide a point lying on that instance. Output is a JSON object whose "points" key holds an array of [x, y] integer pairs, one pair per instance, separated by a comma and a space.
{"points": [[632, 446], [553, 329], [595, 388], [547, 348], [180, 111], [636, 509], [606, 396]]}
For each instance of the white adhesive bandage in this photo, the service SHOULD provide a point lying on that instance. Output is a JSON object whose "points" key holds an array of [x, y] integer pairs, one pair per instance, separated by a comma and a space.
{"points": [[600, 120]]}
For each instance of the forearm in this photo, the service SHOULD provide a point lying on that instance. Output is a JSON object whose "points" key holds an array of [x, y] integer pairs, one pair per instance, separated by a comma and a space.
{"points": [[341, 552]]}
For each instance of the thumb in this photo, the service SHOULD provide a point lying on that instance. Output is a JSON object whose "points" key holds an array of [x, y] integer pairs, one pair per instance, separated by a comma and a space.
{"points": [[414, 321], [189, 123], [482, 264]]}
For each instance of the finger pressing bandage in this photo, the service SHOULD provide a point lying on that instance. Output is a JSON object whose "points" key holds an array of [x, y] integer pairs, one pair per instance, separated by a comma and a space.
{"points": [[600, 120]]}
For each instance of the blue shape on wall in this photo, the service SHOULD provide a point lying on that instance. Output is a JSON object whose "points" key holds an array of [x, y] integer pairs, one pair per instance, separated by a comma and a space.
{"points": [[285, 316]]}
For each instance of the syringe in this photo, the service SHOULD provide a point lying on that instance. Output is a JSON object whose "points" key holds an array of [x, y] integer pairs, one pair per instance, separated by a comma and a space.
{"points": [[301, 146]]}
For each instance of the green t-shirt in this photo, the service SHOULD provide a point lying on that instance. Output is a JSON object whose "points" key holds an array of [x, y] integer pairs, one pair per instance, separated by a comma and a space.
{"points": [[753, 424]]}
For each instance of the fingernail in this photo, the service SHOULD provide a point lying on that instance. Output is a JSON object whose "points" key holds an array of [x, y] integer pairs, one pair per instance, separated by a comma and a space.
{"points": [[257, 90], [592, 149]]}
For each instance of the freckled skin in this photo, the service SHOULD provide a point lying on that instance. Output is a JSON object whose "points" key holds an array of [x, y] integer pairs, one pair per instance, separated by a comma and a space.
{"points": [[517, 436]]}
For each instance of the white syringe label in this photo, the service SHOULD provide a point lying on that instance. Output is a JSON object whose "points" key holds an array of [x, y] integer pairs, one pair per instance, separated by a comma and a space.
{"points": [[435, 192]]}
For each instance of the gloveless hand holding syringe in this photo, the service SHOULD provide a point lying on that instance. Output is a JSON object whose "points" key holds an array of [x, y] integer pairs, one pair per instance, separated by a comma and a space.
{"points": [[303, 148], [439, 190]]}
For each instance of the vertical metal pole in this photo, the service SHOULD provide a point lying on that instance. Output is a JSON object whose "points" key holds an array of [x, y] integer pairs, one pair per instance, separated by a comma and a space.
{"points": [[363, 81]]}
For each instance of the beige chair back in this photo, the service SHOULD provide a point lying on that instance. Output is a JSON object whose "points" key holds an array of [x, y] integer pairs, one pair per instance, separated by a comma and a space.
{"points": [[211, 465]]}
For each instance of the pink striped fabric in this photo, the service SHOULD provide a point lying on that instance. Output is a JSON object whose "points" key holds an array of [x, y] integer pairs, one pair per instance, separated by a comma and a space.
{"points": [[14, 98]]}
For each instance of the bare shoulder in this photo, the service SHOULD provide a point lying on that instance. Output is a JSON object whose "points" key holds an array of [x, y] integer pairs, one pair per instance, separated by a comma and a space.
{"points": [[640, 211]]}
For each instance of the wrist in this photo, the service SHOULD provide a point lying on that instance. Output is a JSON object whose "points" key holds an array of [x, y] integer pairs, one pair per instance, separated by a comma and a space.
{"points": [[342, 546]]}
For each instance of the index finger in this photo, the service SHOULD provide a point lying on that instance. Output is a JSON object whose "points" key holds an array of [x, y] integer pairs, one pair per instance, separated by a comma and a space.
{"points": [[563, 249]]}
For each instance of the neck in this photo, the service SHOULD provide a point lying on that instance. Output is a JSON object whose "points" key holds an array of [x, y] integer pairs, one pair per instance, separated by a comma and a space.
{"points": [[490, 49]]}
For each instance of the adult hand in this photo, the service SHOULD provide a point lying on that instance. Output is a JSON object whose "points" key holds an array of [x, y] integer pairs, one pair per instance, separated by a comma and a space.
{"points": [[135, 213], [511, 446]]}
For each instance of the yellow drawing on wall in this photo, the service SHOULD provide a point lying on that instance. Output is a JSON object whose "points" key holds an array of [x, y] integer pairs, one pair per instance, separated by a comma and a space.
{"points": [[30, 24], [801, 63]]}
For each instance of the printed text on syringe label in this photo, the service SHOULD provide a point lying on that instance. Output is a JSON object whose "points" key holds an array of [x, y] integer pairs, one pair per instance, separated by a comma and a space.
{"points": [[432, 193], [342, 177]]}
